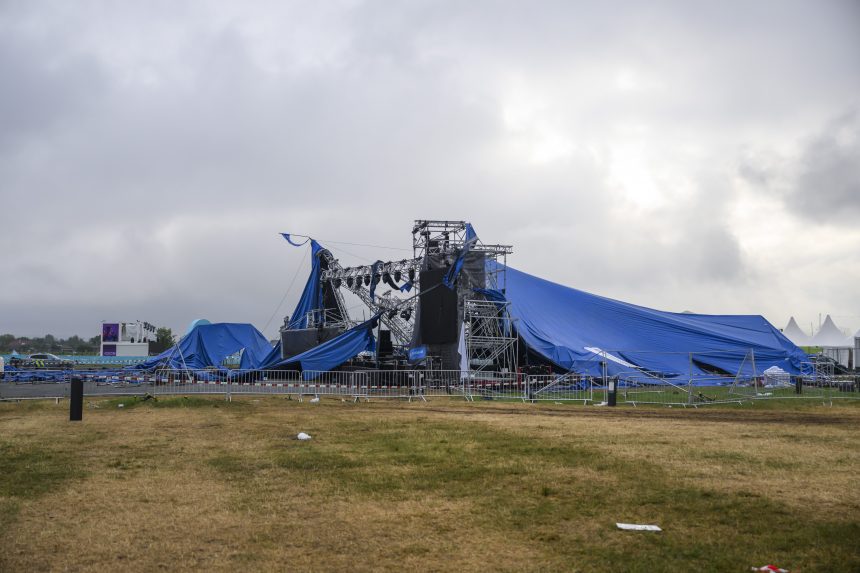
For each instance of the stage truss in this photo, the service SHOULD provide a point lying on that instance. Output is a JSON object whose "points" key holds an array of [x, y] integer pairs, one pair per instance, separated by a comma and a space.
{"points": [[487, 326], [491, 341]]}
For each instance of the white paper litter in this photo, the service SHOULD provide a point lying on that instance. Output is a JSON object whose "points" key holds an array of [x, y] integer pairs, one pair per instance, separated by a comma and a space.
{"points": [[637, 527], [303, 436], [315, 399]]}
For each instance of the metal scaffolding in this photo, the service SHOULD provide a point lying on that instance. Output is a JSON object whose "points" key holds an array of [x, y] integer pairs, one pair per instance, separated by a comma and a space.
{"points": [[487, 326], [491, 340], [396, 314]]}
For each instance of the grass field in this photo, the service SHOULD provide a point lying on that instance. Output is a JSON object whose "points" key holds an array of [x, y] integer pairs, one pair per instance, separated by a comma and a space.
{"points": [[447, 485]]}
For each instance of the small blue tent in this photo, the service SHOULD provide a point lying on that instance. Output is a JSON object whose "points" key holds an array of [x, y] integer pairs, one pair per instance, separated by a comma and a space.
{"points": [[207, 345]]}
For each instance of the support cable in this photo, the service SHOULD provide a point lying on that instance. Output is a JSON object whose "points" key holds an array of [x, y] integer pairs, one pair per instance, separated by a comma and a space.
{"points": [[286, 294]]}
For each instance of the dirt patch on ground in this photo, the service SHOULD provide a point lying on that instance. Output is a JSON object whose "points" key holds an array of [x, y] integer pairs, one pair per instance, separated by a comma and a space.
{"points": [[687, 414]]}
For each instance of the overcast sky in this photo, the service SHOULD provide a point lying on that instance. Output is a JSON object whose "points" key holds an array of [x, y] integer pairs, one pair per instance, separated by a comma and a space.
{"points": [[698, 156]]}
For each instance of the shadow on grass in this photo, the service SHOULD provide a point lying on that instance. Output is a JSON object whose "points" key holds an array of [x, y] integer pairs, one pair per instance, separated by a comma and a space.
{"points": [[131, 402]]}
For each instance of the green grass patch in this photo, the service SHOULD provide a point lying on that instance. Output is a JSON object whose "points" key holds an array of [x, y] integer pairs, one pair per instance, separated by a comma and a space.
{"points": [[533, 492], [28, 471]]}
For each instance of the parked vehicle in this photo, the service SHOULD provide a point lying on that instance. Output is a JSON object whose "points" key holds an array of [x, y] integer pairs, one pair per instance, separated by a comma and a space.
{"points": [[43, 360]]}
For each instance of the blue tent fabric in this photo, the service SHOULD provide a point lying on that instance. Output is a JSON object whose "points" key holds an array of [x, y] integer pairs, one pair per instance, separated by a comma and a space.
{"points": [[330, 354], [577, 331], [207, 345], [272, 357], [471, 240], [287, 236], [312, 295]]}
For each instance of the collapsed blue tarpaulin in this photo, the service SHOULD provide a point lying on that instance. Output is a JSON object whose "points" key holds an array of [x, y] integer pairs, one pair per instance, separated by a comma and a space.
{"points": [[13, 374], [207, 345], [272, 357], [578, 331], [470, 241], [329, 354], [289, 239], [312, 295]]}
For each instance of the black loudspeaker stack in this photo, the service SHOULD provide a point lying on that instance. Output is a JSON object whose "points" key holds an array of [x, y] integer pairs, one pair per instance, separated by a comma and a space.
{"points": [[438, 309]]}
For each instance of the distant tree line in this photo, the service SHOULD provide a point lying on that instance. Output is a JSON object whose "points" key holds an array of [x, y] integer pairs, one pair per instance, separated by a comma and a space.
{"points": [[73, 344]]}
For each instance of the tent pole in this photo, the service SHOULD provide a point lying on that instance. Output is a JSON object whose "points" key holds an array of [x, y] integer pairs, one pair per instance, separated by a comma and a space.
{"points": [[690, 382]]}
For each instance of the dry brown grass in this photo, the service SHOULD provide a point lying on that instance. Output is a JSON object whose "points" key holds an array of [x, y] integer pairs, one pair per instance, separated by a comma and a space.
{"points": [[440, 486]]}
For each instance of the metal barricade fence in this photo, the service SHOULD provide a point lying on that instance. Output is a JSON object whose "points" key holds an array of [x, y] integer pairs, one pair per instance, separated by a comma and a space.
{"points": [[561, 387], [489, 385], [355, 384], [632, 387], [475, 384]]}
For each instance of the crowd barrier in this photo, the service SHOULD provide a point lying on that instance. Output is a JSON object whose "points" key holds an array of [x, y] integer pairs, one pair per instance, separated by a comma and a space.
{"points": [[421, 384], [87, 360]]}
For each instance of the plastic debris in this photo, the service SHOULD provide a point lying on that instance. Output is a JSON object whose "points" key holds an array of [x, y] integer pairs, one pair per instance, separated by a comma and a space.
{"points": [[770, 569], [120, 405], [315, 399], [303, 436], [637, 527]]}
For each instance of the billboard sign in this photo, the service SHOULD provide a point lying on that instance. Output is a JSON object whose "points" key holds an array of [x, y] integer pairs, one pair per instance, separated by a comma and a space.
{"points": [[110, 332]]}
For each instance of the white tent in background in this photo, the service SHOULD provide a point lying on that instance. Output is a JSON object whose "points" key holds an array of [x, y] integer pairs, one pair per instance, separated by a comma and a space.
{"points": [[794, 333], [830, 335]]}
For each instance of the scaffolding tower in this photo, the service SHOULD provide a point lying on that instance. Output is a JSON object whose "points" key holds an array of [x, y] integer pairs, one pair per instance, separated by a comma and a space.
{"points": [[491, 340]]}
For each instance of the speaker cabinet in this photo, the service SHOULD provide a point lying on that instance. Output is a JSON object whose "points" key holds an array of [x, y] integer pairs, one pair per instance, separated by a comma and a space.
{"points": [[438, 309]]}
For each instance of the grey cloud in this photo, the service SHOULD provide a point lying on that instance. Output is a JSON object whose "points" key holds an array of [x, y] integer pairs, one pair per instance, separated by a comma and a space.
{"points": [[828, 186], [166, 145], [42, 87]]}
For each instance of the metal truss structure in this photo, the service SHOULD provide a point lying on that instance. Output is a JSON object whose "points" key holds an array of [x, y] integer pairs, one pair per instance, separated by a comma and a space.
{"points": [[396, 314], [488, 329], [431, 237], [491, 341], [446, 238]]}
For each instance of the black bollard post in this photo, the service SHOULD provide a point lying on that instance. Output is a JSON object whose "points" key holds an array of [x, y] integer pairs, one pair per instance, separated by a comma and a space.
{"points": [[798, 385], [76, 404], [612, 388]]}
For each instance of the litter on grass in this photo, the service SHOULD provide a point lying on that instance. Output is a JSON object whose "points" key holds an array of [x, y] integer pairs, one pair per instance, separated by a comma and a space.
{"points": [[303, 436], [770, 569], [637, 527]]}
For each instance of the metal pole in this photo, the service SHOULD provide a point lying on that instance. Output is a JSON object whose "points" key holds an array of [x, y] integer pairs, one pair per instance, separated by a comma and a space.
{"points": [[690, 382], [608, 386], [76, 404], [378, 338], [755, 373]]}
